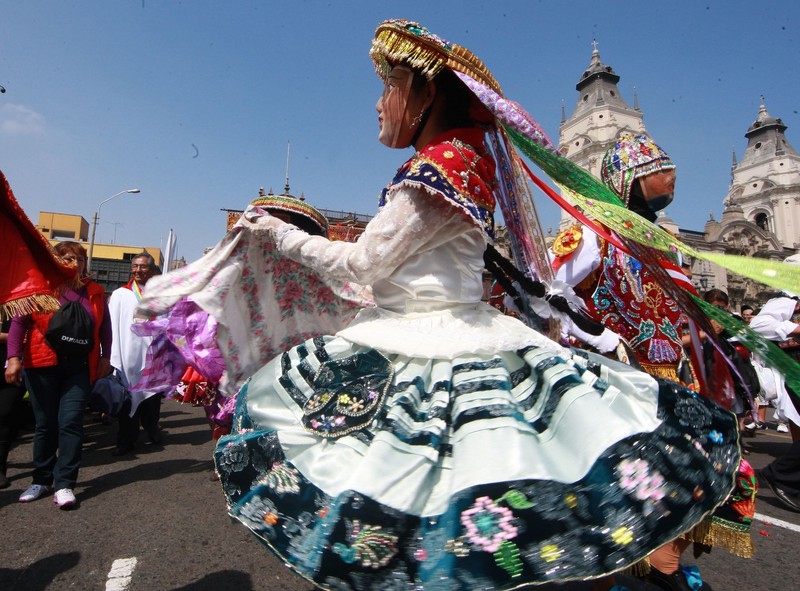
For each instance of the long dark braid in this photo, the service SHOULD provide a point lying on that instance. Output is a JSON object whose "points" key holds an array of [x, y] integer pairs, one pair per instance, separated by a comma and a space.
{"points": [[506, 273]]}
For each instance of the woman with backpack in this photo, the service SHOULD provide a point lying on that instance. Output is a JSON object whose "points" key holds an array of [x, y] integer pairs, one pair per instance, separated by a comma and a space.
{"points": [[59, 371]]}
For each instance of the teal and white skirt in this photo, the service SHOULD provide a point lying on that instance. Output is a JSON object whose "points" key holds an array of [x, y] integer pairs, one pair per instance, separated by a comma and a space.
{"points": [[371, 471]]}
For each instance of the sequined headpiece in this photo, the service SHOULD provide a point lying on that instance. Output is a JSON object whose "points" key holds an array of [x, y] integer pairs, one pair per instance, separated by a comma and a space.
{"points": [[401, 41], [293, 206], [632, 157]]}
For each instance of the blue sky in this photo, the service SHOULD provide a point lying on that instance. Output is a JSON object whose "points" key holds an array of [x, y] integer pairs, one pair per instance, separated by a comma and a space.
{"points": [[194, 101]]}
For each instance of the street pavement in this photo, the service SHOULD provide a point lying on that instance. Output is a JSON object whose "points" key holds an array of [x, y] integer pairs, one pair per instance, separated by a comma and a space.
{"points": [[154, 520]]}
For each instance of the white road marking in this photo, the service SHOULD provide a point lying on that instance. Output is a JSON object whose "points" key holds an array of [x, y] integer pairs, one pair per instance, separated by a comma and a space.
{"points": [[120, 575], [778, 522]]}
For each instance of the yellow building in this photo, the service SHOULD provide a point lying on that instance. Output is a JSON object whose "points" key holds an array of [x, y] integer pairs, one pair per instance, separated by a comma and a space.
{"points": [[111, 263], [63, 226]]}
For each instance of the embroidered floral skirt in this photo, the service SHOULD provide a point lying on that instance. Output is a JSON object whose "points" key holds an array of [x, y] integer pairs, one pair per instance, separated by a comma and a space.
{"points": [[369, 471]]}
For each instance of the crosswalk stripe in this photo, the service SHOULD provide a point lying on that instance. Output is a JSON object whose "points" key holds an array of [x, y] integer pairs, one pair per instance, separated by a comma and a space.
{"points": [[778, 522], [120, 575]]}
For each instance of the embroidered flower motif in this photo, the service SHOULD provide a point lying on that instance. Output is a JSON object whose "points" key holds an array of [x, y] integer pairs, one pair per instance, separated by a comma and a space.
{"points": [[692, 413], [622, 536], [283, 479], [231, 489], [270, 518], [550, 552], [325, 423], [233, 458], [372, 547], [488, 525], [565, 553], [715, 436], [636, 479], [254, 514]]}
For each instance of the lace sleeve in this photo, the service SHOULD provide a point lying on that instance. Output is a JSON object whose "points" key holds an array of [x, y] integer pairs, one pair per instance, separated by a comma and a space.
{"points": [[411, 221]]}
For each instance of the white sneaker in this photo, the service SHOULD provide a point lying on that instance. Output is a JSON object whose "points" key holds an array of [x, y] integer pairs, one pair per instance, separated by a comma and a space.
{"points": [[33, 492], [782, 428], [64, 498]]}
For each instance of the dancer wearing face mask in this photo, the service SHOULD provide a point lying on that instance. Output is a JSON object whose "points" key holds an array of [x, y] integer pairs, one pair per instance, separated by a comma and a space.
{"points": [[628, 299], [619, 292]]}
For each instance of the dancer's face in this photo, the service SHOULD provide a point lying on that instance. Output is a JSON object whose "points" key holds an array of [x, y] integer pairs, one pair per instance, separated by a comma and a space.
{"points": [[398, 107], [658, 189]]}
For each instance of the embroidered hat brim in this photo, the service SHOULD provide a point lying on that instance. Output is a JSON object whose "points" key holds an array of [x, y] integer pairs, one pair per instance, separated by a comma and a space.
{"points": [[401, 41], [292, 205]]}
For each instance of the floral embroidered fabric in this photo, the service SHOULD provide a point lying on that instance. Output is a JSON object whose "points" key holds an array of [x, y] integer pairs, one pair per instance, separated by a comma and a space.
{"points": [[258, 301]]}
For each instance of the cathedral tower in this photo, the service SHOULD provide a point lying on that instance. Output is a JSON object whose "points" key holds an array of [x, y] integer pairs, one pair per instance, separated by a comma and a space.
{"points": [[600, 116], [765, 183]]}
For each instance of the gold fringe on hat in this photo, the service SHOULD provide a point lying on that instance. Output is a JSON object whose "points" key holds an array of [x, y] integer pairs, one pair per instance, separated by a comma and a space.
{"points": [[401, 41]]}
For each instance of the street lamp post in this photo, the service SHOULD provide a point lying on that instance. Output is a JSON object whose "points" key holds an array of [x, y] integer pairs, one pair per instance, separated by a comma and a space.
{"points": [[94, 224]]}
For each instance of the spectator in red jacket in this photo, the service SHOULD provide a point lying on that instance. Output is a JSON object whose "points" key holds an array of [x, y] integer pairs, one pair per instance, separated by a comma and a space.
{"points": [[59, 385]]}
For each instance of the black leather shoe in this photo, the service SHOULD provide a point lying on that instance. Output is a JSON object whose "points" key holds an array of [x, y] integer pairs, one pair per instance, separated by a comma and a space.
{"points": [[122, 450], [789, 500]]}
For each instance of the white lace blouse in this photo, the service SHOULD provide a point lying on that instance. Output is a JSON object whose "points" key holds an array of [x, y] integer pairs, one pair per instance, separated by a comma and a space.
{"points": [[424, 261]]}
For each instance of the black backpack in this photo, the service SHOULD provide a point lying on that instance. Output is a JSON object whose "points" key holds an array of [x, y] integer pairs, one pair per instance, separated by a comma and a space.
{"points": [[70, 332]]}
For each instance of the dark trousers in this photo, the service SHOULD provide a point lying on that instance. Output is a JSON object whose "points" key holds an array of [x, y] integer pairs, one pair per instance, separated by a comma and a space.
{"points": [[10, 399], [785, 471], [58, 397], [147, 415]]}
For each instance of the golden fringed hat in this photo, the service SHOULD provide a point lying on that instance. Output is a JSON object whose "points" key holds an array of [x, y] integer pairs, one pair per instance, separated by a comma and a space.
{"points": [[293, 207], [402, 41]]}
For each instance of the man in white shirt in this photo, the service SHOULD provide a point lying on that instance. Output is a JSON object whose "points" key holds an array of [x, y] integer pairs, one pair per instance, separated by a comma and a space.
{"points": [[778, 321], [128, 357]]}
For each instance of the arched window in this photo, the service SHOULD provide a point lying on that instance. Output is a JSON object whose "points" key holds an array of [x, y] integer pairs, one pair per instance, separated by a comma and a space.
{"points": [[762, 221]]}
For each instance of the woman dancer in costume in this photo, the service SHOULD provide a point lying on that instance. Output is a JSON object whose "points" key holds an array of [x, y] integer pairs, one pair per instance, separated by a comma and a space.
{"points": [[434, 443]]}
